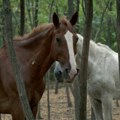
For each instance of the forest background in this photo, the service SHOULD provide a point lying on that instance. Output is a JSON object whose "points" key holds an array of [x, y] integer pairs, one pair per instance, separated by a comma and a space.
{"points": [[37, 12]]}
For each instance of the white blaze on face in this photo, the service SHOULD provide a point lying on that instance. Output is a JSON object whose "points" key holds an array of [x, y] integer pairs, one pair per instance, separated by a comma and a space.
{"points": [[69, 39]]}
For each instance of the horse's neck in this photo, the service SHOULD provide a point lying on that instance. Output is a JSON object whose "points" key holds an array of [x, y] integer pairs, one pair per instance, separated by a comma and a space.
{"points": [[33, 42], [42, 60], [40, 70], [42, 52], [36, 46], [46, 65]]}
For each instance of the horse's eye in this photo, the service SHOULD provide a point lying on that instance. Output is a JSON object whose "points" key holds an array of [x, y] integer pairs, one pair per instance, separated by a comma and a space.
{"points": [[76, 38], [58, 40]]}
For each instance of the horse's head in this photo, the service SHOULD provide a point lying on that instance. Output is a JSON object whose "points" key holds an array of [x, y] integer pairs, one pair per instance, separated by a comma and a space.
{"points": [[60, 75], [64, 44]]}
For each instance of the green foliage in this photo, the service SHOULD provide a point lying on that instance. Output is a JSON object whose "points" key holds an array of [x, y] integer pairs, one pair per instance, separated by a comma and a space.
{"points": [[103, 24], [1, 42], [102, 30]]}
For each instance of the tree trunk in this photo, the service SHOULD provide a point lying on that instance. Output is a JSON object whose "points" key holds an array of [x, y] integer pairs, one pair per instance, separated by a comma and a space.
{"points": [[77, 4], [48, 93], [101, 21], [109, 24], [77, 8], [70, 8], [118, 31], [22, 17], [51, 6], [29, 12], [68, 95], [56, 87], [1, 27], [12, 56], [118, 35], [76, 89], [84, 60], [38, 117], [36, 13]]}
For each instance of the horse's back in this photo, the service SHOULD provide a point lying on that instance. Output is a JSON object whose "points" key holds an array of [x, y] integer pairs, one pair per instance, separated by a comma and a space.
{"points": [[104, 77], [109, 61]]}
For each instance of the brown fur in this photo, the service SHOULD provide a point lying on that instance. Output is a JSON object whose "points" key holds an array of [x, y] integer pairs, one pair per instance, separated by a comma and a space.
{"points": [[35, 52]]}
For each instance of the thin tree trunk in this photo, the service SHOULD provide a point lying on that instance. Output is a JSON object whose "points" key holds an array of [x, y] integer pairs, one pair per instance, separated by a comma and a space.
{"points": [[109, 24], [48, 93], [29, 13], [118, 31], [118, 36], [12, 57], [77, 4], [38, 117], [76, 89], [36, 13], [51, 6], [83, 6], [56, 87], [68, 95], [70, 8], [101, 21], [77, 8], [84, 60], [22, 17], [1, 29]]}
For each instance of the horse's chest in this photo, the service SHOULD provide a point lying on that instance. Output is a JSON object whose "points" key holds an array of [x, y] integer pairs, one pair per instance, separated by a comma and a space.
{"points": [[37, 90], [4, 101]]}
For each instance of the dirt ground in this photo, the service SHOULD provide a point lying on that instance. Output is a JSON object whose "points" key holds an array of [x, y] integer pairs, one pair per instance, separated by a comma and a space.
{"points": [[59, 109]]}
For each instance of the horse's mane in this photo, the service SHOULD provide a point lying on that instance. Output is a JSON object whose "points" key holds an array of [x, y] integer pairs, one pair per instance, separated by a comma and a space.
{"points": [[41, 28], [35, 31]]}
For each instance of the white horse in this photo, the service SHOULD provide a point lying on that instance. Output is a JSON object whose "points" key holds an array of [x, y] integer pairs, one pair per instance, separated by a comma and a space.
{"points": [[103, 83]]}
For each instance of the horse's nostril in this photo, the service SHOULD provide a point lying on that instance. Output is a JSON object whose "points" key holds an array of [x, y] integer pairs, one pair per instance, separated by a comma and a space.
{"points": [[60, 73], [77, 70], [67, 70]]}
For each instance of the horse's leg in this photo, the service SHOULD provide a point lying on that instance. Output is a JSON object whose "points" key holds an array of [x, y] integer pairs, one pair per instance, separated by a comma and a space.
{"points": [[97, 108], [68, 96], [107, 108], [36, 99], [16, 111], [34, 110], [56, 87], [117, 102]]}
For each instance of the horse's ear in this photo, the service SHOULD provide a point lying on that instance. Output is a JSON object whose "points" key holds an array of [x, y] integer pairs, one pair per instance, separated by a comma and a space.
{"points": [[74, 18], [55, 20]]}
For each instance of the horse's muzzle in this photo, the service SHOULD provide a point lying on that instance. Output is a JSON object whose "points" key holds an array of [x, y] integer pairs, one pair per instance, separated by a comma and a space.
{"points": [[71, 75], [59, 76]]}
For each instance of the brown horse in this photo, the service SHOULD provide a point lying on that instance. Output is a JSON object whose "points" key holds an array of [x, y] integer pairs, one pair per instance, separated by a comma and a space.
{"points": [[36, 52]]}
